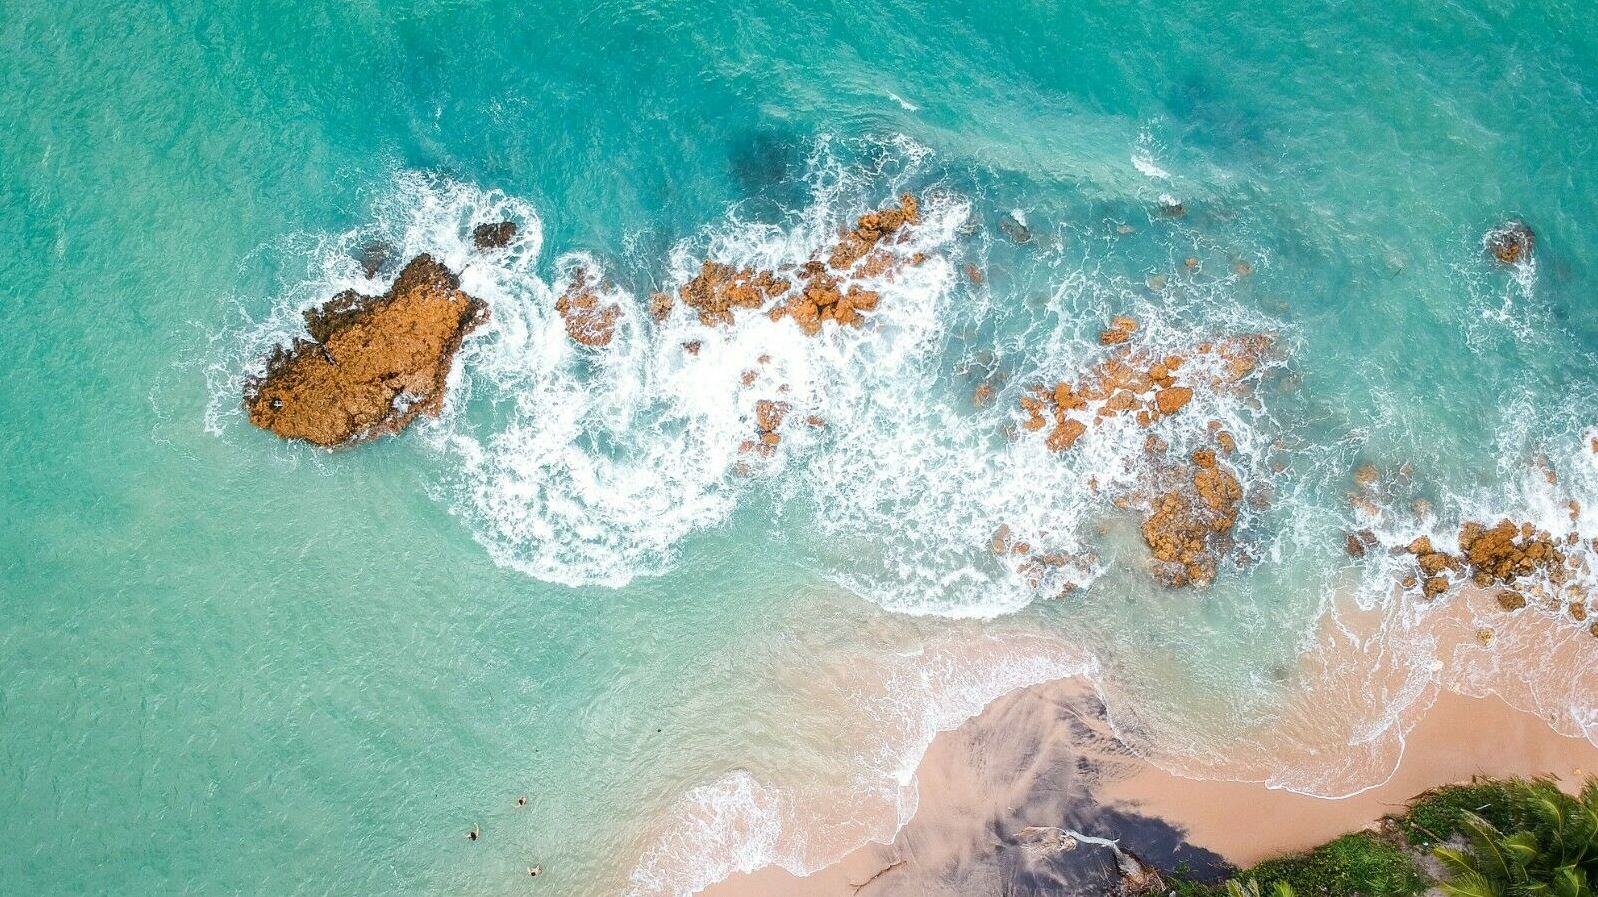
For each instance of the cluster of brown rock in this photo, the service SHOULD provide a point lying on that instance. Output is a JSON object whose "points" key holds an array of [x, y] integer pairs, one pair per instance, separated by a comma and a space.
{"points": [[1518, 558], [769, 417], [589, 321], [1189, 525], [811, 294], [1191, 508], [372, 363], [718, 289], [1136, 382], [1033, 564]]}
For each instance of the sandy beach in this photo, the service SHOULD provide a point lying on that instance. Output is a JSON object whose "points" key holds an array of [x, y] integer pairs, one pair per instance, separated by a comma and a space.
{"points": [[995, 792]]}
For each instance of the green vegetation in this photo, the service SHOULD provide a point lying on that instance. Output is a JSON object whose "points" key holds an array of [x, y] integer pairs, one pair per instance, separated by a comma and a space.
{"points": [[1434, 816], [1552, 847], [1353, 864], [1233, 889], [1510, 838]]}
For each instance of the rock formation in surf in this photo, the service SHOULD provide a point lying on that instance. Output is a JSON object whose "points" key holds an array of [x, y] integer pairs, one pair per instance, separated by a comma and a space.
{"points": [[1510, 242], [769, 416], [812, 294], [1523, 562], [1189, 523], [1190, 507], [589, 320], [718, 289], [494, 235], [372, 363], [1139, 383]]}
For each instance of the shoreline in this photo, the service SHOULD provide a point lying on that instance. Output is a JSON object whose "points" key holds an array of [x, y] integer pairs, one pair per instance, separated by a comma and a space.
{"points": [[1045, 757]]}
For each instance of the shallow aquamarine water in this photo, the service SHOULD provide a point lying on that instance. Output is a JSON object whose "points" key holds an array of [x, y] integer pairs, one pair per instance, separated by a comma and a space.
{"points": [[229, 665]]}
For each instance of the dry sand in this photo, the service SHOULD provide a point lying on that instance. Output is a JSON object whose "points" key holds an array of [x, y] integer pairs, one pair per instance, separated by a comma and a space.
{"points": [[1459, 737]]}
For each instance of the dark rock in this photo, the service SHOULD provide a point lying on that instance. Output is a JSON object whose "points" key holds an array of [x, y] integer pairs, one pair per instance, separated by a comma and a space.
{"points": [[1511, 242], [1014, 229], [495, 235], [373, 256]]}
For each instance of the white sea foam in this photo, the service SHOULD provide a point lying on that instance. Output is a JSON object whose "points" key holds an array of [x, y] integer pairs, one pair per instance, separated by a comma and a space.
{"points": [[597, 463], [734, 824], [1143, 156], [591, 466], [1145, 165], [904, 104]]}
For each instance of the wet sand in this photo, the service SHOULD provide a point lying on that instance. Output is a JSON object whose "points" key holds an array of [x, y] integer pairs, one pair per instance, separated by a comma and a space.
{"points": [[994, 791]]}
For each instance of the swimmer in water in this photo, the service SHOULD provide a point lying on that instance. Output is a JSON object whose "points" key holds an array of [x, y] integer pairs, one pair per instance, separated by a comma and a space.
{"points": [[473, 834], [535, 871], [521, 801]]}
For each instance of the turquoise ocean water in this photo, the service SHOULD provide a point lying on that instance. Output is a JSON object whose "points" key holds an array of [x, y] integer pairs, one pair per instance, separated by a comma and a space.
{"points": [[230, 665]]}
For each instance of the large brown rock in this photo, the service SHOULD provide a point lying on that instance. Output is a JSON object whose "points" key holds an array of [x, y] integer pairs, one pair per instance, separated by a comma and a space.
{"points": [[372, 363], [1172, 399]]}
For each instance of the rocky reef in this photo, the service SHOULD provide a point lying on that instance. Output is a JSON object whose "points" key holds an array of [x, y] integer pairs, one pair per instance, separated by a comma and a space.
{"points": [[1189, 524], [372, 364], [1511, 242], [1190, 506], [1137, 382], [1520, 559], [811, 294], [718, 289]]}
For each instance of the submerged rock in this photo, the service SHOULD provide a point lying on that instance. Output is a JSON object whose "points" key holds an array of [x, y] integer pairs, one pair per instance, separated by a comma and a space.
{"points": [[1510, 242], [494, 235], [373, 257], [1013, 228], [372, 364], [1358, 543], [1509, 599]]}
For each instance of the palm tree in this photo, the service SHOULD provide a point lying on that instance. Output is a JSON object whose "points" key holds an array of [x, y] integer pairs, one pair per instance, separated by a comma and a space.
{"points": [[1252, 889], [1553, 852]]}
